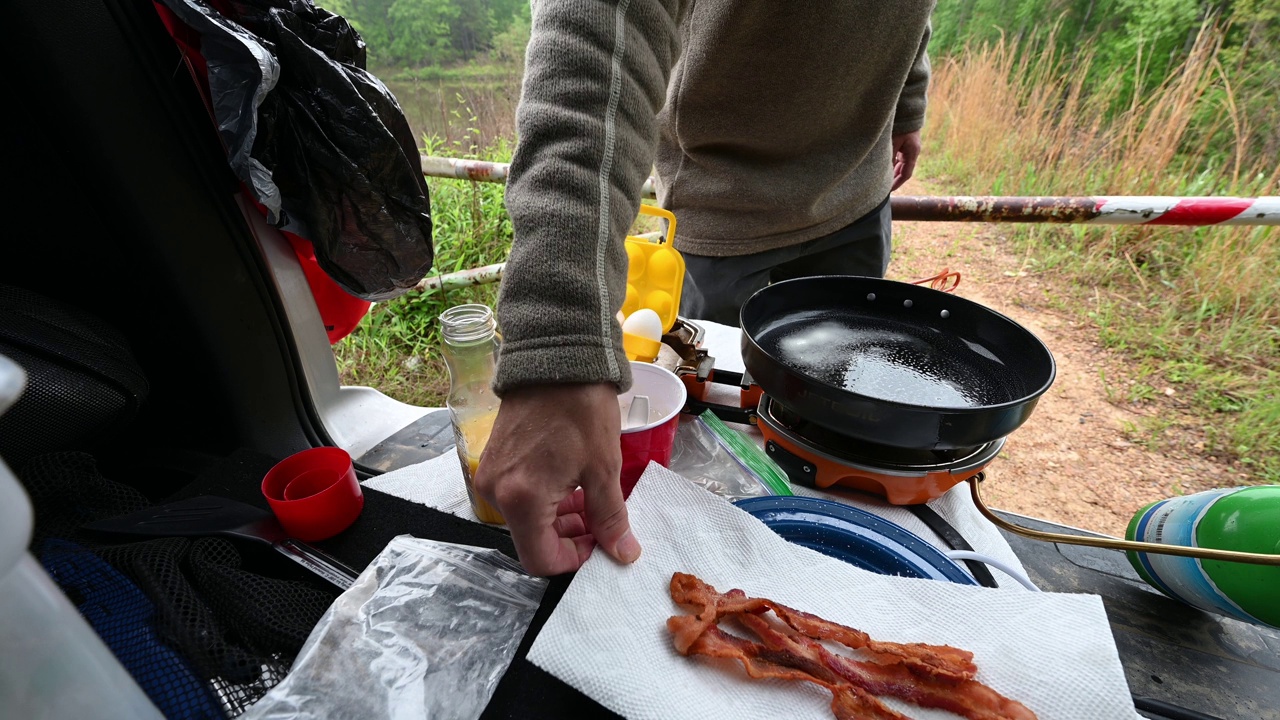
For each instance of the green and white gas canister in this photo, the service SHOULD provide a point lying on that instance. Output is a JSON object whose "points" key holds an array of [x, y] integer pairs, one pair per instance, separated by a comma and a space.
{"points": [[1245, 519]]}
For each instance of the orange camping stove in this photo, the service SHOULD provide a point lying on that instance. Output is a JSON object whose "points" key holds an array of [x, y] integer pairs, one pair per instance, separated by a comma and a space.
{"points": [[813, 455], [817, 457]]}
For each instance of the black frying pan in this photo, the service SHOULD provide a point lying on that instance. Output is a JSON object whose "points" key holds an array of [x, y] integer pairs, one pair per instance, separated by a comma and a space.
{"points": [[892, 363]]}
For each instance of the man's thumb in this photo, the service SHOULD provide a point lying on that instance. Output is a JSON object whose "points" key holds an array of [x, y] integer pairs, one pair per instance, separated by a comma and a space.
{"points": [[606, 516]]}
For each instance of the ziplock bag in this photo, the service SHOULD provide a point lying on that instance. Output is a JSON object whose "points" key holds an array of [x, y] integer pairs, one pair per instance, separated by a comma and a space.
{"points": [[426, 632], [711, 454]]}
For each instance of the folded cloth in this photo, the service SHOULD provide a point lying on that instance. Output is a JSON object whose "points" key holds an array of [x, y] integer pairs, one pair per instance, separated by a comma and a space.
{"points": [[608, 637]]}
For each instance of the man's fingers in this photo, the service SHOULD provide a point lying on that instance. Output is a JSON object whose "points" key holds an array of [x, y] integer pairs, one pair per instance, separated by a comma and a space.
{"points": [[544, 553], [574, 429], [910, 154], [570, 525], [584, 544], [572, 504], [906, 151], [529, 507], [606, 515]]}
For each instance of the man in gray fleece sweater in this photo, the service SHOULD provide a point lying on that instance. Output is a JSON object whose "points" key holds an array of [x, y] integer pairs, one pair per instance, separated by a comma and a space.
{"points": [[778, 128]]}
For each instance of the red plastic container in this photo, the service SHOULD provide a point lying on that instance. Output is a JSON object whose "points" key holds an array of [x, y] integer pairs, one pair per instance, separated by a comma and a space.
{"points": [[653, 441], [315, 493]]}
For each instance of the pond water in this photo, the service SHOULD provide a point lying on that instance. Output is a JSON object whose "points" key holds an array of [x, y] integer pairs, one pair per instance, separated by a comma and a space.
{"points": [[462, 114]]}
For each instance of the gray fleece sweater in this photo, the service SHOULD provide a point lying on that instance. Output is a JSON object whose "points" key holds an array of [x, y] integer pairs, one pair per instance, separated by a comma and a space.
{"points": [[769, 123]]}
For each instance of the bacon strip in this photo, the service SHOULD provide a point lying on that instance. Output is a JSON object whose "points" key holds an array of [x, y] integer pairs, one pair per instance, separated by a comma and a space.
{"points": [[936, 676], [847, 701], [933, 660], [966, 698]]}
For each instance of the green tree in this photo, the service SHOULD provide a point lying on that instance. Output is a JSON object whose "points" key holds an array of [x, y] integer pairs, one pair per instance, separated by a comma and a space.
{"points": [[1137, 43], [420, 31], [414, 33]]}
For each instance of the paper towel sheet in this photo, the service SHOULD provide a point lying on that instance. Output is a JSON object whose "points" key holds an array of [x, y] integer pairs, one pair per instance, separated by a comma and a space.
{"points": [[608, 638], [436, 483]]}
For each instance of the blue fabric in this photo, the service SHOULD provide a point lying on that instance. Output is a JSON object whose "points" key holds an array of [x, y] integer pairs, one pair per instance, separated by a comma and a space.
{"points": [[125, 620]]}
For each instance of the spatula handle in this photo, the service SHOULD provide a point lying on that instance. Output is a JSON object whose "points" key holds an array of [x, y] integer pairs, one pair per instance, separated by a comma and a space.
{"points": [[317, 562]]}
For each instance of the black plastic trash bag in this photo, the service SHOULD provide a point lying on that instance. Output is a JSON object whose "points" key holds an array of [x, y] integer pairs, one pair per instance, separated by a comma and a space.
{"points": [[321, 143]]}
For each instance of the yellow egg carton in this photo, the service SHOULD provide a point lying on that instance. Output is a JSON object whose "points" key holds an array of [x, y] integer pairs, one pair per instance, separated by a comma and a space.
{"points": [[655, 272]]}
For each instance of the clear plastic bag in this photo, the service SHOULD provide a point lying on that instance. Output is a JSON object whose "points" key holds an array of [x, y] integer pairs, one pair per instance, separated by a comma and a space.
{"points": [[425, 632], [720, 459]]}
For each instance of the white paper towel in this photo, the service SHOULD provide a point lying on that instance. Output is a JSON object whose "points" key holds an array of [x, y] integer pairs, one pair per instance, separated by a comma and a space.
{"points": [[436, 483], [608, 638]]}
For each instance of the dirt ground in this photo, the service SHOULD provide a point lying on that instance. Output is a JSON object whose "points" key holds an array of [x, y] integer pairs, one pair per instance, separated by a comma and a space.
{"points": [[1073, 462]]}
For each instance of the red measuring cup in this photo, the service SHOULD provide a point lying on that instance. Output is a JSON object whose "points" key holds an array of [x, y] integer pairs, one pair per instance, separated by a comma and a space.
{"points": [[315, 493]]}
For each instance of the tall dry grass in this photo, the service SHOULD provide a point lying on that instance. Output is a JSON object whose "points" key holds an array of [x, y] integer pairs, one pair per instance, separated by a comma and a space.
{"points": [[1196, 306]]}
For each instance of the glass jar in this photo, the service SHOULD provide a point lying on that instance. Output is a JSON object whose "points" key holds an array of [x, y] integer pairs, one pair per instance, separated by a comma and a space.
{"points": [[471, 344]]}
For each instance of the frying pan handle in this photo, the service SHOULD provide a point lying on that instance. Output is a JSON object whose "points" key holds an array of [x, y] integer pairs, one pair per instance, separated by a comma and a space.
{"points": [[945, 281], [317, 562], [1111, 543]]}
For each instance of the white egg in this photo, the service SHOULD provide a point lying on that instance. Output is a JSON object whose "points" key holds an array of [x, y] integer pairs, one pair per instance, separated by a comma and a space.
{"points": [[644, 323], [621, 318]]}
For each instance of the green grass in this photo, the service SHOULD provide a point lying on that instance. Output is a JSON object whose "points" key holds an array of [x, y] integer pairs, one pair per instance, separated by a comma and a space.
{"points": [[1221, 361], [1195, 310], [396, 347]]}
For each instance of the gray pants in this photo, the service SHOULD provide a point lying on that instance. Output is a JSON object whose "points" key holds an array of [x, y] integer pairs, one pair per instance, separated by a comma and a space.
{"points": [[716, 287]]}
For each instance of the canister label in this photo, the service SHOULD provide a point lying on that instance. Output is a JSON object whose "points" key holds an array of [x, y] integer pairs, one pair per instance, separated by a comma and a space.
{"points": [[1174, 522]]}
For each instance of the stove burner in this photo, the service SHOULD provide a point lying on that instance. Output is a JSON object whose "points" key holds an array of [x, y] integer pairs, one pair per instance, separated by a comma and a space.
{"points": [[818, 457], [860, 452]]}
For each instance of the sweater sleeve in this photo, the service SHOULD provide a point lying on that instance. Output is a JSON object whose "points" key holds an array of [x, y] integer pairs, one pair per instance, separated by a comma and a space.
{"points": [[596, 73], [911, 102]]}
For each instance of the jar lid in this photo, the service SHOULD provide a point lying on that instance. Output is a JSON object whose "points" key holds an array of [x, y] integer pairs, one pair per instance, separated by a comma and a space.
{"points": [[467, 323]]}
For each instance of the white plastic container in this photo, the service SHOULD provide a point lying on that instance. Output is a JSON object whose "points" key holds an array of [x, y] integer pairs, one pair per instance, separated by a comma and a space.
{"points": [[52, 664]]}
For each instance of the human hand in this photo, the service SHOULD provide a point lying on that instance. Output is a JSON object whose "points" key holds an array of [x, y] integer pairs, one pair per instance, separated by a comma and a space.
{"points": [[906, 150], [551, 468]]}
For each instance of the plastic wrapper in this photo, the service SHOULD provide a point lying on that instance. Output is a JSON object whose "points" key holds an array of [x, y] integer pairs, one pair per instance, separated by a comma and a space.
{"points": [[320, 142], [707, 454], [426, 632]]}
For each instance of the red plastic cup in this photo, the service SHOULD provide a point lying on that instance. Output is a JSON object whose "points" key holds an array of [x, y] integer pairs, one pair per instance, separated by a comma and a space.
{"points": [[315, 493], [653, 441]]}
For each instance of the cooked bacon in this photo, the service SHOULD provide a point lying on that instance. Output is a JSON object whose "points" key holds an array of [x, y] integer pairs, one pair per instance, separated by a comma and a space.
{"points": [[932, 660], [966, 698], [847, 701], [935, 676]]}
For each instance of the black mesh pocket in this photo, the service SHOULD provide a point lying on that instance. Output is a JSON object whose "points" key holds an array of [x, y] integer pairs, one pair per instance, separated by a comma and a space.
{"points": [[81, 377], [194, 627]]}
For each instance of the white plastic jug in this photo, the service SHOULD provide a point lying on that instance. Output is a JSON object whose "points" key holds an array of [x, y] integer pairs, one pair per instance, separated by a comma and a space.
{"points": [[53, 664]]}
